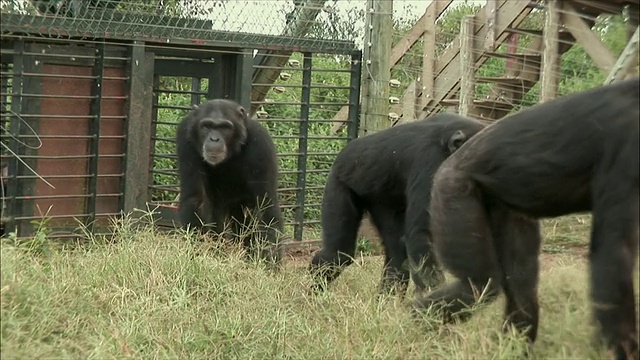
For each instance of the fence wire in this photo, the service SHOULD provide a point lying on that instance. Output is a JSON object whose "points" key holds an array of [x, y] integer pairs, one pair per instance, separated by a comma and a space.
{"points": [[507, 77], [274, 23]]}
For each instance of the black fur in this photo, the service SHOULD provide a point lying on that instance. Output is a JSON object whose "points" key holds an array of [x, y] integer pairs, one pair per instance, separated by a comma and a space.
{"points": [[575, 154], [388, 174], [243, 175]]}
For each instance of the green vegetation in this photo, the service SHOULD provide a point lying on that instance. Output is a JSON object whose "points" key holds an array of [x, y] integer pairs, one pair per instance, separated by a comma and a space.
{"points": [[147, 295], [577, 73]]}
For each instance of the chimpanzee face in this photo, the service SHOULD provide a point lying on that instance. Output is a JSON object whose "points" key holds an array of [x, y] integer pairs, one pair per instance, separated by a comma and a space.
{"points": [[214, 135], [221, 130]]}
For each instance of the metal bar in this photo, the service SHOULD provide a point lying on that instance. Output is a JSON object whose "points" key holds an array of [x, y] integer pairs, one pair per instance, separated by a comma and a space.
{"points": [[215, 90], [13, 25], [181, 67], [13, 188], [301, 181], [244, 77], [354, 95], [94, 130], [228, 67], [153, 130], [195, 90], [4, 89]]}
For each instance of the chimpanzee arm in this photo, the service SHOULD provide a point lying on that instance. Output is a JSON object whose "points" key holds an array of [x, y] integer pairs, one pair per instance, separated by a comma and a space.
{"points": [[425, 271], [263, 183], [191, 186], [269, 228]]}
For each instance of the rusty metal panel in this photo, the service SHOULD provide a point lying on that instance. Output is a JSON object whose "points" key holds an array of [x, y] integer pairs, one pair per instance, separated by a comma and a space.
{"points": [[55, 126]]}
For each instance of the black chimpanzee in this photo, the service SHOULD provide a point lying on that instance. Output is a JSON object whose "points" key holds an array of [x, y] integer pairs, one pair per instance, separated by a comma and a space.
{"points": [[575, 154], [388, 174], [228, 170]]}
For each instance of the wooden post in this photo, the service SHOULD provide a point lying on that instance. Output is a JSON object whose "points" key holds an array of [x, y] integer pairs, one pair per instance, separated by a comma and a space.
{"points": [[491, 11], [467, 66], [428, 55], [139, 119], [549, 71], [625, 62], [377, 46], [409, 106], [589, 40]]}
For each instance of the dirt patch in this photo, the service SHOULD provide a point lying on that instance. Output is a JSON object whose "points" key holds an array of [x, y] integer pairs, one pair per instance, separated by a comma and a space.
{"points": [[367, 230], [551, 259], [302, 253]]}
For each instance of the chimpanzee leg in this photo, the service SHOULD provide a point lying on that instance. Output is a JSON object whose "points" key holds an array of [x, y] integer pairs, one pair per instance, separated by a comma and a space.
{"points": [[341, 216], [425, 271], [464, 244], [613, 256], [265, 238], [517, 239], [390, 225]]}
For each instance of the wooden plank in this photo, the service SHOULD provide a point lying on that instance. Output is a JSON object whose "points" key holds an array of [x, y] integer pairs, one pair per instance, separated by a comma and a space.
{"points": [[447, 70], [425, 83], [275, 60], [491, 11], [625, 62], [591, 43], [467, 66], [409, 107], [504, 80], [437, 7], [550, 58], [511, 13], [139, 120], [377, 45], [414, 34]]}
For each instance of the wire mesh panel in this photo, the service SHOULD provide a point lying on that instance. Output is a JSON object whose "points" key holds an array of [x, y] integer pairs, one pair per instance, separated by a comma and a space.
{"points": [[298, 113], [65, 146], [278, 24]]}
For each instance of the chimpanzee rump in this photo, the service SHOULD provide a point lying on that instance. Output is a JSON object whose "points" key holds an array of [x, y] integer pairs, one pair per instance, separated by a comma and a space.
{"points": [[388, 174], [575, 154], [228, 171]]}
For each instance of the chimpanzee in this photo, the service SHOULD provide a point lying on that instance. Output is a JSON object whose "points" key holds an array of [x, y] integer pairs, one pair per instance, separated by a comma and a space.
{"points": [[388, 174], [577, 153], [228, 171]]}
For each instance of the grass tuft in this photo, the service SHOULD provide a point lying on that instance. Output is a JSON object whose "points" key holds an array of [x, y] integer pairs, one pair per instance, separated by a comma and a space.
{"points": [[145, 294]]}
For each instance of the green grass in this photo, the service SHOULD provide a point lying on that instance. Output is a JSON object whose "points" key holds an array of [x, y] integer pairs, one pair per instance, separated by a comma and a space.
{"points": [[157, 296]]}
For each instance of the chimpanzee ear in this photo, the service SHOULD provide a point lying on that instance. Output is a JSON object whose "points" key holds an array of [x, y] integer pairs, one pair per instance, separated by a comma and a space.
{"points": [[242, 112], [456, 140], [242, 127], [191, 123]]}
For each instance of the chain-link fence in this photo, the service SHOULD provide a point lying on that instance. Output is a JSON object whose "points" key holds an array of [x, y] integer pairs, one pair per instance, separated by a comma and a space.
{"points": [[256, 23]]}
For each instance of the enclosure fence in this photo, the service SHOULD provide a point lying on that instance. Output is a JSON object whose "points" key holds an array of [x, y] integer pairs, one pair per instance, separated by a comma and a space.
{"points": [[92, 93]]}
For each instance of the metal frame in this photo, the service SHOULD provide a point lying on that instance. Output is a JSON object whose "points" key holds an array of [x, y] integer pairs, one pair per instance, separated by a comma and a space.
{"points": [[229, 70], [13, 187], [301, 183], [138, 30], [94, 129]]}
